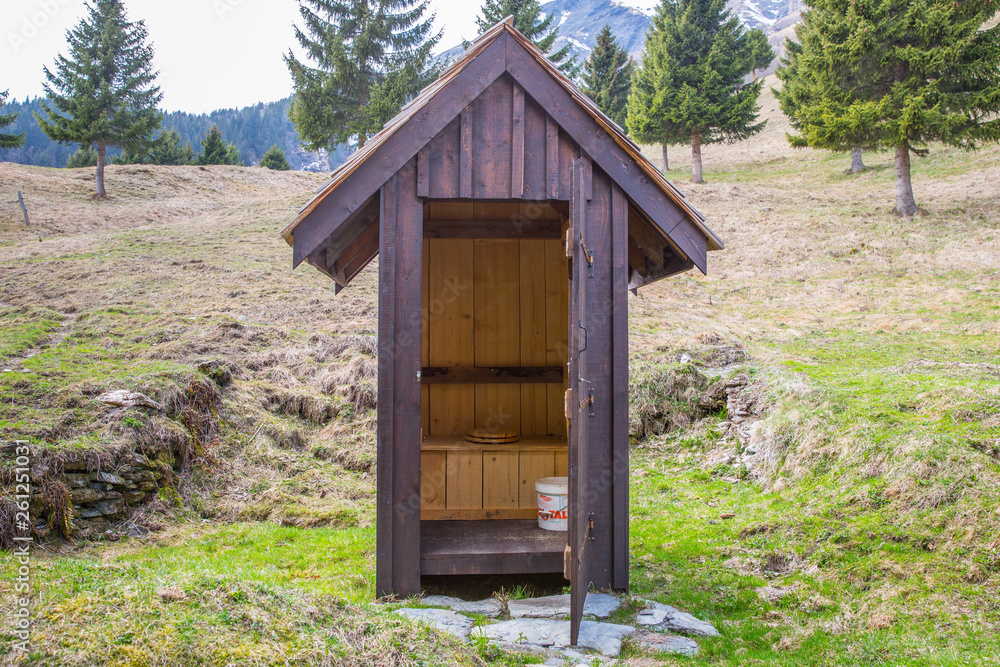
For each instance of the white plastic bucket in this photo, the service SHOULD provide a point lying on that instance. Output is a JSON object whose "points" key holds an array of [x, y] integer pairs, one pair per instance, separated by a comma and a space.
{"points": [[552, 495]]}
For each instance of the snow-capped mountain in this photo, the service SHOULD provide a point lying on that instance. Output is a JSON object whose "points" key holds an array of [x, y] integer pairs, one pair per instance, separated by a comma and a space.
{"points": [[579, 21]]}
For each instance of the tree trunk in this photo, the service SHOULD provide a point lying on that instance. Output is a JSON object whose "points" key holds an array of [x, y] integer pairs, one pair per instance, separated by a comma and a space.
{"points": [[101, 150], [696, 156], [905, 204], [666, 164], [857, 166]]}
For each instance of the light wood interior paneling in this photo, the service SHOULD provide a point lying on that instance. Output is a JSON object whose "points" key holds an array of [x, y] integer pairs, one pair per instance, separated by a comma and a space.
{"points": [[492, 302]]}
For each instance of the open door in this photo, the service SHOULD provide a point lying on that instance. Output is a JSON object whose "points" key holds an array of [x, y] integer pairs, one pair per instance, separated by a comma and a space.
{"points": [[579, 398]]}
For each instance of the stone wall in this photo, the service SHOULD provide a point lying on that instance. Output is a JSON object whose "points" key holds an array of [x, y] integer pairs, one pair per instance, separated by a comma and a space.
{"points": [[98, 491]]}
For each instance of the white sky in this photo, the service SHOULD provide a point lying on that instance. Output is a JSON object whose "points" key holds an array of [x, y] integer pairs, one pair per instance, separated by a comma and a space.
{"points": [[211, 54]]}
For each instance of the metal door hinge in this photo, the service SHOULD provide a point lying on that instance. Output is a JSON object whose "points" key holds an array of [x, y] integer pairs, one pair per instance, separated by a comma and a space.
{"points": [[589, 255]]}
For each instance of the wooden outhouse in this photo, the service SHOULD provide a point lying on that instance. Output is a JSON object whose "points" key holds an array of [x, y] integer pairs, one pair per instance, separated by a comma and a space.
{"points": [[511, 218]]}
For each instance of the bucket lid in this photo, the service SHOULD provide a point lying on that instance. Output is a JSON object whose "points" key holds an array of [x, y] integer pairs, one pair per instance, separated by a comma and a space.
{"points": [[555, 484]]}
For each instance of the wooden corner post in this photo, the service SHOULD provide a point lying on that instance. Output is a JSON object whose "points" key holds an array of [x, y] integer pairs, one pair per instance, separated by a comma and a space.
{"points": [[397, 561]]}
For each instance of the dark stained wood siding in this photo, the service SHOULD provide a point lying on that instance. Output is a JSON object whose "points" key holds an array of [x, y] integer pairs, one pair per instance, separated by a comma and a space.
{"points": [[400, 298]]}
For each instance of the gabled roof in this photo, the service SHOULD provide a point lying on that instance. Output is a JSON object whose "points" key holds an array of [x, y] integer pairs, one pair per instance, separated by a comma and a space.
{"points": [[501, 49]]}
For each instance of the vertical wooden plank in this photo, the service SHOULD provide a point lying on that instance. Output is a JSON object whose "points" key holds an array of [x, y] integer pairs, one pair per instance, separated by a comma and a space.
{"points": [[569, 151], [443, 161], [532, 466], [465, 155], [406, 394], [517, 145], [535, 184], [398, 458], [423, 178], [600, 461], [384, 519], [556, 327], [465, 480], [552, 157], [432, 480], [583, 495], [533, 332], [491, 141], [425, 415], [499, 479], [562, 464], [497, 331], [450, 309], [619, 398]]}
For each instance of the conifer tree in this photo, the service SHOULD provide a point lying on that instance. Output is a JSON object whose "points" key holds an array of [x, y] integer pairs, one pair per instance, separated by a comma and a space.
{"points": [[607, 76], [215, 150], [165, 150], [371, 57], [103, 92], [690, 87], [801, 98], [528, 21], [84, 156], [8, 140], [760, 50], [275, 159], [908, 72]]}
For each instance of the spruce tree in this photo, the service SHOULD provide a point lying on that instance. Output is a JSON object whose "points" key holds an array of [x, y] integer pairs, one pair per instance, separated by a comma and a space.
{"points": [[8, 140], [85, 156], [103, 93], [607, 76], [802, 98], [371, 57], [691, 85], [215, 150], [275, 159], [908, 73], [760, 51], [165, 150], [528, 21]]}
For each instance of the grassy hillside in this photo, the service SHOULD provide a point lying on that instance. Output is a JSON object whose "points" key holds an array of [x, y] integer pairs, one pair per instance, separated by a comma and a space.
{"points": [[857, 522]]}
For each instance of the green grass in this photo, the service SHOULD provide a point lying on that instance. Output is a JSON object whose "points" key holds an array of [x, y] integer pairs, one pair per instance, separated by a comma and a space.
{"points": [[237, 594]]}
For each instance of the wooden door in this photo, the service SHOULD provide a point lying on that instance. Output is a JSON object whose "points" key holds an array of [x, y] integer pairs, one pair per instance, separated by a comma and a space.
{"points": [[579, 398]]}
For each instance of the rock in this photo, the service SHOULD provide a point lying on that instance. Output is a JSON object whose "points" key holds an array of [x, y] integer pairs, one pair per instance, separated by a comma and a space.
{"points": [[772, 593], [142, 460], [550, 633], [85, 495], [137, 531], [75, 480], [86, 513], [490, 607], [443, 619], [107, 478], [133, 497], [600, 605], [146, 486], [124, 398], [568, 657], [108, 507], [664, 617], [667, 643]]}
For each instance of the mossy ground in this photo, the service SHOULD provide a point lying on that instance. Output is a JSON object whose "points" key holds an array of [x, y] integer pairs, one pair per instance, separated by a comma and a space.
{"points": [[873, 340]]}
